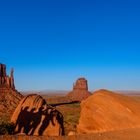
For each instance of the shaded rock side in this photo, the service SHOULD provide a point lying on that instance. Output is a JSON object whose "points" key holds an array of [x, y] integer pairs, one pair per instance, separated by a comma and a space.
{"points": [[33, 116], [80, 90], [108, 111]]}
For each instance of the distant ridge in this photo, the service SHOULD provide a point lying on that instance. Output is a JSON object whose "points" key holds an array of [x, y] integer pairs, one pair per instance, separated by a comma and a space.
{"points": [[42, 92], [128, 92]]}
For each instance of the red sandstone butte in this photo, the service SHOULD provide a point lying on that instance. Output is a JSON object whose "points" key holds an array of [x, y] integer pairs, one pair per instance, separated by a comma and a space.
{"points": [[80, 90]]}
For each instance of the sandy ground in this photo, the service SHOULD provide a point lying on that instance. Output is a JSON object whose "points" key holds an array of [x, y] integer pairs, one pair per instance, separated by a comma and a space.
{"points": [[129, 134]]}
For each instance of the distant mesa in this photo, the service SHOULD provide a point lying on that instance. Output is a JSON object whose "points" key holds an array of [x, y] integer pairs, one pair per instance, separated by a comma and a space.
{"points": [[33, 116], [9, 96], [108, 111], [81, 84], [80, 90]]}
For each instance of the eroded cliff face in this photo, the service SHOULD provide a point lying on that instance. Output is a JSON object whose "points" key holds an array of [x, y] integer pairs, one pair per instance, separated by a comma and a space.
{"points": [[80, 90], [108, 111], [33, 116], [9, 96], [81, 84], [5, 80]]}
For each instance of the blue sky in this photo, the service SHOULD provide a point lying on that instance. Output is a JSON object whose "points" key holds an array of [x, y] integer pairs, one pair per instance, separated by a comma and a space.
{"points": [[52, 43]]}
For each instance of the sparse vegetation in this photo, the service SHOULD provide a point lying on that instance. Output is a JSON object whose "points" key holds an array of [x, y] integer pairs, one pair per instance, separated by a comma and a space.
{"points": [[6, 128], [71, 113]]}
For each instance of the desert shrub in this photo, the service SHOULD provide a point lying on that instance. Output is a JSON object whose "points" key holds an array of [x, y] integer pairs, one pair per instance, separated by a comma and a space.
{"points": [[6, 128]]}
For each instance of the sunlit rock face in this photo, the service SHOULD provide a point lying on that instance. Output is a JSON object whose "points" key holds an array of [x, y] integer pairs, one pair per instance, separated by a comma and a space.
{"points": [[81, 84], [9, 96], [108, 111], [80, 90], [5, 80]]}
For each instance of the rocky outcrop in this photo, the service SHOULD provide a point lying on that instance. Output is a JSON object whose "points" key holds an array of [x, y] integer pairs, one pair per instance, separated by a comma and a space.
{"points": [[9, 96], [80, 90], [81, 84], [33, 116], [108, 111], [5, 80]]}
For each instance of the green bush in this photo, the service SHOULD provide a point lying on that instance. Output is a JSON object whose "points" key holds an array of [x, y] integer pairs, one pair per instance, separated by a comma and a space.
{"points": [[6, 128]]}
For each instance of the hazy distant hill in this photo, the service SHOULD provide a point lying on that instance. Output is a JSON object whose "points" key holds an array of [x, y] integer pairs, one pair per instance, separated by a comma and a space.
{"points": [[47, 92], [129, 92]]}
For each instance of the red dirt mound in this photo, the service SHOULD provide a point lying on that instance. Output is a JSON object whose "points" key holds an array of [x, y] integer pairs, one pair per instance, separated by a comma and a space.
{"points": [[108, 111]]}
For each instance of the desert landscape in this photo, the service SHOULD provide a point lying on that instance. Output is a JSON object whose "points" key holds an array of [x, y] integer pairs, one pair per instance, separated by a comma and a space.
{"points": [[78, 114], [69, 70]]}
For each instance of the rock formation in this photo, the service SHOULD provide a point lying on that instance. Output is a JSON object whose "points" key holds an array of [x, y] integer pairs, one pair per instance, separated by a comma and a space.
{"points": [[33, 116], [5, 80], [108, 111], [9, 96], [81, 84], [80, 90]]}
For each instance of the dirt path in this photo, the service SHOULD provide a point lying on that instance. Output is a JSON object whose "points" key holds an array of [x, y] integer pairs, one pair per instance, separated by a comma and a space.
{"points": [[130, 134]]}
